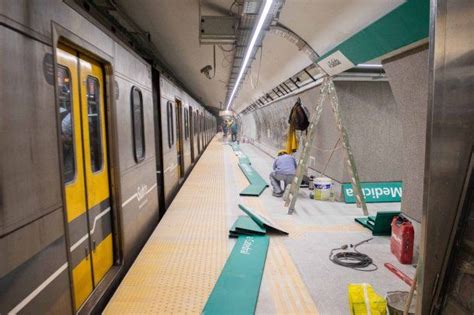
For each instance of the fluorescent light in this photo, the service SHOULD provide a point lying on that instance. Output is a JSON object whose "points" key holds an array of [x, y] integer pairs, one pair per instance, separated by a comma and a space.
{"points": [[370, 65], [263, 16]]}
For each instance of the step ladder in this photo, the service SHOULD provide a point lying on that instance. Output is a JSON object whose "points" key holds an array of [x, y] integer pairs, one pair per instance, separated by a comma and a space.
{"points": [[291, 193]]}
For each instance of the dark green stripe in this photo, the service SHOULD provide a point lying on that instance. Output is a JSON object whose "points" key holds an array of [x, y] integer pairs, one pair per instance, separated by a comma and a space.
{"points": [[403, 26]]}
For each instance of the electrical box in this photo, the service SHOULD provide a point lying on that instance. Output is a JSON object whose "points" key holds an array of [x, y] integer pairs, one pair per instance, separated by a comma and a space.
{"points": [[218, 30]]}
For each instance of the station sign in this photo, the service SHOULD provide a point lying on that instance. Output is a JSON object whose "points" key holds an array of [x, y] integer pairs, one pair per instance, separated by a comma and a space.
{"points": [[375, 192]]}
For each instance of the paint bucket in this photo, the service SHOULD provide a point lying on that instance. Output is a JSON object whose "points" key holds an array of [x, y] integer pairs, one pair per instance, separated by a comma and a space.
{"points": [[396, 301], [322, 188]]}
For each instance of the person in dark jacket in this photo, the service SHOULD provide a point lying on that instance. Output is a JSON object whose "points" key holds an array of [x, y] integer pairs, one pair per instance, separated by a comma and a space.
{"points": [[224, 129], [284, 169], [233, 129]]}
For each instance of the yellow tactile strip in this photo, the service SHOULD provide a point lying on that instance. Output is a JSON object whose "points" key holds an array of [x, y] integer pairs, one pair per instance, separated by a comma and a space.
{"points": [[179, 265], [289, 293]]}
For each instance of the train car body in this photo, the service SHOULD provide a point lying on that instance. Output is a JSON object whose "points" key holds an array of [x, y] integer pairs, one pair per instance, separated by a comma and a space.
{"points": [[81, 165]]}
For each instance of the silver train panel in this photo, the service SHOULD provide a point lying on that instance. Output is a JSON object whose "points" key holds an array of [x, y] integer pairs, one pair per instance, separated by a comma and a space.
{"points": [[36, 16], [31, 218], [28, 187]]}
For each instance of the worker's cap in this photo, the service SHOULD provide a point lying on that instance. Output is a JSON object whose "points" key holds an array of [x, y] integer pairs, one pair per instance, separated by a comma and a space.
{"points": [[281, 152]]}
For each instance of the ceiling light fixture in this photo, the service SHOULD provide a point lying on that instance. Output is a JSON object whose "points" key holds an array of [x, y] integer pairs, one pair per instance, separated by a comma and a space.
{"points": [[261, 20]]}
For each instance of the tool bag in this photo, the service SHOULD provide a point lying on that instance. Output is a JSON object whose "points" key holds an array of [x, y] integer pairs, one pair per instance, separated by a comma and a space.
{"points": [[299, 116]]}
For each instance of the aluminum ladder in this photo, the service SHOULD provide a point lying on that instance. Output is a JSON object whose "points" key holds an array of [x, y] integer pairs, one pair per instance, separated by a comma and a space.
{"points": [[327, 90]]}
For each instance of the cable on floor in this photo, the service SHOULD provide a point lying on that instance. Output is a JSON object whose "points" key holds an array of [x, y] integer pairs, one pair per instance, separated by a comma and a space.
{"points": [[352, 259]]}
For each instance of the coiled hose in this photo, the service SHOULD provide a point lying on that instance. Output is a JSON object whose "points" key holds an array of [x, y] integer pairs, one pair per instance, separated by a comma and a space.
{"points": [[352, 259]]}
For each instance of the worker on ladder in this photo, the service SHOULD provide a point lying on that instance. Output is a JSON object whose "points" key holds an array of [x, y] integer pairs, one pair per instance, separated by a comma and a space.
{"points": [[284, 169]]}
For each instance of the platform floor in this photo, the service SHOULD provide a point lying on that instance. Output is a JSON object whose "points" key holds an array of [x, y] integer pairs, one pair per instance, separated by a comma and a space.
{"points": [[179, 265]]}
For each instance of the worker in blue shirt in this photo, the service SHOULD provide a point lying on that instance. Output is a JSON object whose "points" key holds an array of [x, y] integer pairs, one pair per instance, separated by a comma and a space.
{"points": [[284, 169]]}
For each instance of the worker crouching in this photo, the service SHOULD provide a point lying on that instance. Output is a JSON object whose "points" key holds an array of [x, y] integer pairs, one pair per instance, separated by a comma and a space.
{"points": [[284, 169]]}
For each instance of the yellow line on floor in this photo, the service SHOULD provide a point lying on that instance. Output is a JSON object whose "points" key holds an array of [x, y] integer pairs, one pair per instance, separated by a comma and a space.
{"points": [[289, 292], [180, 263]]}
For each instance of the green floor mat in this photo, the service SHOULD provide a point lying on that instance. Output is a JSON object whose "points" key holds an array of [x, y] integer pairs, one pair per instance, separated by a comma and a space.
{"points": [[234, 146], [238, 286], [262, 220], [379, 224], [244, 160], [245, 225], [257, 183]]}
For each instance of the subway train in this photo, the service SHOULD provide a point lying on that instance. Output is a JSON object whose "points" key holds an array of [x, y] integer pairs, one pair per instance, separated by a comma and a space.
{"points": [[95, 143]]}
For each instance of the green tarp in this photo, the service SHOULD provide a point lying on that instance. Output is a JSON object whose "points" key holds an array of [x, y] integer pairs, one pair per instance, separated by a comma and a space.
{"points": [[238, 286]]}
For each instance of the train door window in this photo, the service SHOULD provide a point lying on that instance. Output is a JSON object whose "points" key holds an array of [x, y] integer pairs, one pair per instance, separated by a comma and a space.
{"points": [[137, 124], [191, 132], [169, 114], [196, 130], [202, 131], [67, 127], [179, 138], [186, 124], [93, 115]]}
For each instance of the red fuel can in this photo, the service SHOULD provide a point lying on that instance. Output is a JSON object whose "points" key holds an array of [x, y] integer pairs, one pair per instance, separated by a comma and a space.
{"points": [[401, 242]]}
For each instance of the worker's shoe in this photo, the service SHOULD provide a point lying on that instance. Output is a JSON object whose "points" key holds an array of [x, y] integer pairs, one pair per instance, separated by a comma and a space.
{"points": [[277, 194]]}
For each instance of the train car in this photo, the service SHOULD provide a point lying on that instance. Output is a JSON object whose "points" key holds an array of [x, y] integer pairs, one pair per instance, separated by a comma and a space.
{"points": [[183, 135], [82, 159]]}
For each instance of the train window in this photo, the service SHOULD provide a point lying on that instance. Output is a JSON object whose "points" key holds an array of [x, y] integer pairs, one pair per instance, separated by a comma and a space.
{"points": [[137, 124], [196, 127], [186, 124], [93, 115], [169, 113], [67, 127]]}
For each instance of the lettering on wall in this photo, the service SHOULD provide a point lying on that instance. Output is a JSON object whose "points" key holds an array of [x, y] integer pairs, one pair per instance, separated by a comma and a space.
{"points": [[375, 192]]}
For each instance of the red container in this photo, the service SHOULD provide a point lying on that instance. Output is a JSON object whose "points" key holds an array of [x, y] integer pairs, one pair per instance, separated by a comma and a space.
{"points": [[401, 242]]}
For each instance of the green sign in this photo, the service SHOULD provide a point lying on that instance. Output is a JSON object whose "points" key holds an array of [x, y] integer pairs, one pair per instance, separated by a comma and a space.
{"points": [[375, 192], [406, 24]]}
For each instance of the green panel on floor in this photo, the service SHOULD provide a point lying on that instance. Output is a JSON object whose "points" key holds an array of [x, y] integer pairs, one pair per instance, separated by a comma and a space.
{"points": [[245, 225], [261, 220], [379, 224], [234, 146], [238, 286], [244, 160], [257, 183]]}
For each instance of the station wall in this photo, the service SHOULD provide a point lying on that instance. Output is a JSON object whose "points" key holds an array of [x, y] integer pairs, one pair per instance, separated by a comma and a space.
{"points": [[370, 115], [408, 76]]}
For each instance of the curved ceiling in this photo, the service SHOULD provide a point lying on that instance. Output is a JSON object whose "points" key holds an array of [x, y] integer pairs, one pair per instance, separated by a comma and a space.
{"points": [[174, 29]]}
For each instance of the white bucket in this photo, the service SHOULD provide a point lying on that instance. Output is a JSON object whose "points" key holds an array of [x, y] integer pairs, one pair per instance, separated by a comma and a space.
{"points": [[322, 188]]}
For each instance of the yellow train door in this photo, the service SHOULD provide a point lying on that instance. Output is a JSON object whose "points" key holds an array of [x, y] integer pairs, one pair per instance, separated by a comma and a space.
{"points": [[83, 135]]}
